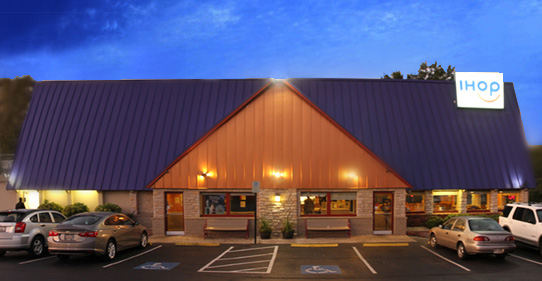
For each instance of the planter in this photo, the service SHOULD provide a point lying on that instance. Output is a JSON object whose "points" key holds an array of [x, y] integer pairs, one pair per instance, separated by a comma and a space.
{"points": [[265, 234], [288, 234]]}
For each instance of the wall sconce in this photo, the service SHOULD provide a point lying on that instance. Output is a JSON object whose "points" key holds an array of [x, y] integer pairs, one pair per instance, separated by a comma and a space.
{"points": [[277, 197], [277, 174], [204, 175]]}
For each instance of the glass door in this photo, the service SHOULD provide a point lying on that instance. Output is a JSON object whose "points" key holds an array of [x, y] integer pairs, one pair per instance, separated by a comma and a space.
{"points": [[174, 214], [383, 213]]}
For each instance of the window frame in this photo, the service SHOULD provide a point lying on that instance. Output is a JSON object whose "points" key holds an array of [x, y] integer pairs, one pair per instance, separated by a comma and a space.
{"points": [[227, 202], [328, 204]]}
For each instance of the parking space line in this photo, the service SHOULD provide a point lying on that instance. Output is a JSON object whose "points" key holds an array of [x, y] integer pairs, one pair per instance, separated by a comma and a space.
{"points": [[364, 261], [249, 269], [252, 249], [25, 262], [525, 259], [246, 257], [454, 263], [223, 258], [235, 264], [217, 258], [272, 259], [132, 257]]}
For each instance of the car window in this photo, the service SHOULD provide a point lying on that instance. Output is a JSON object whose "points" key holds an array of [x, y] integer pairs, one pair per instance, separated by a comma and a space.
{"points": [[82, 220], [33, 218], [484, 225], [45, 217], [58, 217], [506, 211], [459, 225], [10, 217], [448, 224], [124, 220], [539, 215], [528, 216], [518, 214], [113, 220]]}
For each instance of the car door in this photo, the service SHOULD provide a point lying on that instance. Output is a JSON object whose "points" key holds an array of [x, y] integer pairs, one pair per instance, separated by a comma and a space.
{"points": [[527, 227], [46, 223], [132, 233], [456, 234], [444, 237]]}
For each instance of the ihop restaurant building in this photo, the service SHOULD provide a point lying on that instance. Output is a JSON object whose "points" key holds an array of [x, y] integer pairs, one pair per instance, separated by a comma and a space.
{"points": [[176, 152]]}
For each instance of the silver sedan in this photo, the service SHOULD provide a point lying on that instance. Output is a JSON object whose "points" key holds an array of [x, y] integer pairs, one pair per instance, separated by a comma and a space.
{"points": [[473, 235], [99, 233]]}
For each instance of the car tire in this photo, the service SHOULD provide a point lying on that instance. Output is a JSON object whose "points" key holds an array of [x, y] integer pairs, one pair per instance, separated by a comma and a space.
{"points": [[461, 251], [37, 246], [540, 247], [144, 240], [433, 241], [2, 253], [501, 256], [63, 257], [110, 250]]}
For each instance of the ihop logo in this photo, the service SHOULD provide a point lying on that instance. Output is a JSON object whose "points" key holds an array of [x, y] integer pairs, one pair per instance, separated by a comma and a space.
{"points": [[479, 90]]}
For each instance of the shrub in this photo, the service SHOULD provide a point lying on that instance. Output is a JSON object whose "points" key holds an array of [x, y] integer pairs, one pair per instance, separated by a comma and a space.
{"points": [[434, 221], [265, 225], [76, 208], [109, 207], [50, 206]]}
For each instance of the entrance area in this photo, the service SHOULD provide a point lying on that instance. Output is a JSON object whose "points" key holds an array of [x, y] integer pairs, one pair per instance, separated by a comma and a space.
{"points": [[383, 213], [174, 214]]}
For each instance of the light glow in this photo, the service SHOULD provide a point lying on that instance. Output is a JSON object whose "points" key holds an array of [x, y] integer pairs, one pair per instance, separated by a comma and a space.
{"points": [[277, 198]]}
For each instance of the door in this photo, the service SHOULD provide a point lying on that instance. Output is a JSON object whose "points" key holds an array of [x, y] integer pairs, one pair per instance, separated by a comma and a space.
{"points": [[383, 213], [174, 214]]}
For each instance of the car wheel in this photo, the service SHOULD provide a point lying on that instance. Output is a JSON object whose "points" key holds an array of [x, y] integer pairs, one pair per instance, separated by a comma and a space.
{"points": [[110, 250], [433, 241], [144, 240], [37, 246], [63, 257], [540, 247], [461, 251], [2, 253], [501, 256]]}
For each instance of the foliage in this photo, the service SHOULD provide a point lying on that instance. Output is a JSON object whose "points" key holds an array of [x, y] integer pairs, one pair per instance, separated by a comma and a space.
{"points": [[108, 207], [288, 224], [431, 72], [50, 206], [15, 96], [535, 195], [265, 225], [76, 208], [434, 221]]}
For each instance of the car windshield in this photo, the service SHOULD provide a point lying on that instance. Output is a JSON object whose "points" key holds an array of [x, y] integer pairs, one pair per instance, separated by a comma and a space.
{"points": [[82, 220], [484, 225], [11, 217]]}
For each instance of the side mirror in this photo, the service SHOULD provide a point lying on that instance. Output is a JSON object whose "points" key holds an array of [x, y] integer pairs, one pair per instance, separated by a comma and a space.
{"points": [[136, 223], [440, 226]]}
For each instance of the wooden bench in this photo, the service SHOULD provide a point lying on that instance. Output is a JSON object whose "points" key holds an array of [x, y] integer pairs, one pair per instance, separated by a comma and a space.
{"points": [[327, 224], [225, 224]]}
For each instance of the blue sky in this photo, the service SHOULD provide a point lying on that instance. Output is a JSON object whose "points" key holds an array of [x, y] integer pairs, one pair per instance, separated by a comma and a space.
{"points": [[83, 40]]}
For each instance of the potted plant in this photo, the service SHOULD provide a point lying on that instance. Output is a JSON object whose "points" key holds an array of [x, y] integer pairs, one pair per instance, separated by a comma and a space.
{"points": [[288, 228], [265, 228]]}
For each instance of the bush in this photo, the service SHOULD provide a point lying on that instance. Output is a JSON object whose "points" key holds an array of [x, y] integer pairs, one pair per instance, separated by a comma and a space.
{"points": [[50, 206], [76, 208], [109, 207], [434, 221]]}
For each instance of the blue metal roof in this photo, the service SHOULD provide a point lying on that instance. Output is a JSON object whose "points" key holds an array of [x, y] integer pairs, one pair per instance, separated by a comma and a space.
{"points": [[117, 135], [416, 128]]}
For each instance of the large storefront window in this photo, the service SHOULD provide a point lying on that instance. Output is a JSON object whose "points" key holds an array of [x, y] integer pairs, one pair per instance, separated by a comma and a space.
{"points": [[477, 201], [445, 201], [506, 198], [228, 204], [414, 202], [328, 203]]}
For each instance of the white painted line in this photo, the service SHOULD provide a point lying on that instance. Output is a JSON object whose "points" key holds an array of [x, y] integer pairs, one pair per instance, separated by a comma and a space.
{"points": [[234, 264], [249, 269], [217, 258], [249, 272], [246, 257], [132, 257], [273, 259], [456, 264], [25, 262], [253, 249], [364, 261], [525, 259]]}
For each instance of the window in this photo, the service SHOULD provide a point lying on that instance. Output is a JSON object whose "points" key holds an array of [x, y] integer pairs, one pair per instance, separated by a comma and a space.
{"points": [[448, 225], [34, 218], [528, 216], [228, 204], [506, 211], [328, 203], [518, 214], [58, 218], [445, 201], [414, 202], [506, 198], [45, 217], [459, 225], [477, 201]]}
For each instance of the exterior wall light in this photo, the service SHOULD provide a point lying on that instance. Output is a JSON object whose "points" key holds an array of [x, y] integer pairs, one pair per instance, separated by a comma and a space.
{"points": [[278, 175], [204, 175], [277, 197]]}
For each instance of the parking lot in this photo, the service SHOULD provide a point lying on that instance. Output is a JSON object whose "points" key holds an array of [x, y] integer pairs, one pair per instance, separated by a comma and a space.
{"points": [[393, 261]]}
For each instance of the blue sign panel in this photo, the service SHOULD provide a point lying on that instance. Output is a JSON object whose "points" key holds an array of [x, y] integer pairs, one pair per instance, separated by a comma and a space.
{"points": [[158, 265], [320, 269]]}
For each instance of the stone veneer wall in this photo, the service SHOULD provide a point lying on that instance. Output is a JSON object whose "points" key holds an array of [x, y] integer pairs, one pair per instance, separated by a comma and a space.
{"points": [[277, 212], [493, 201]]}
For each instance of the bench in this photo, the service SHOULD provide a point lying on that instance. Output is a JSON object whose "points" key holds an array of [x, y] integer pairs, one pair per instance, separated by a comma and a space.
{"points": [[224, 224], [327, 224]]}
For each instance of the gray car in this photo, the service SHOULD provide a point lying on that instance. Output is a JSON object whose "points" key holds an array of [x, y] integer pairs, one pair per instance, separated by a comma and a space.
{"points": [[100, 233], [27, 229], [473, 235]]}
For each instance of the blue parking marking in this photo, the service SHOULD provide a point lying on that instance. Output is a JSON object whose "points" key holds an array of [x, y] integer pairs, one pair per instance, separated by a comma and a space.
{"points": [[158, 266], [320, 269]]}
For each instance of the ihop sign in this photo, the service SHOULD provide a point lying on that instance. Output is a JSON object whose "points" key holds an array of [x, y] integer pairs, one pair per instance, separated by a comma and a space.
{"points": [[479, 90]]}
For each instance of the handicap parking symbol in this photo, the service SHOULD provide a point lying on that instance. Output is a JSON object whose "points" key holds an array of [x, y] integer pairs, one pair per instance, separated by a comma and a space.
{"points": [[320, 269], [158, 265]]}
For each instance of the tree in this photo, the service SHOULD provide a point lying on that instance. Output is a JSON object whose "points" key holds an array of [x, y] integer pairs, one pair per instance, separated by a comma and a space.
{"points": [[432, 72], [15, 96]]}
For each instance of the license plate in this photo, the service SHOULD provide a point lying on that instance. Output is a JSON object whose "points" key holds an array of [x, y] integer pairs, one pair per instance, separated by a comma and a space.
{"points": [[2, 229], [498, 251], [68, 237]]}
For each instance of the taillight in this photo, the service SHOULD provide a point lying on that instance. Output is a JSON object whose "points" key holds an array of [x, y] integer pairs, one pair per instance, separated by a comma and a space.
{"points": [[509, 238], [89, 234], [53, 233], [20, 227], [481, 238]]}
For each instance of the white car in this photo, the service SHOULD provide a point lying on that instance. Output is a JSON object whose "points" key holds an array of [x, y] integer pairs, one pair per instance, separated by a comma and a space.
{"points": [[524, 221]]}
